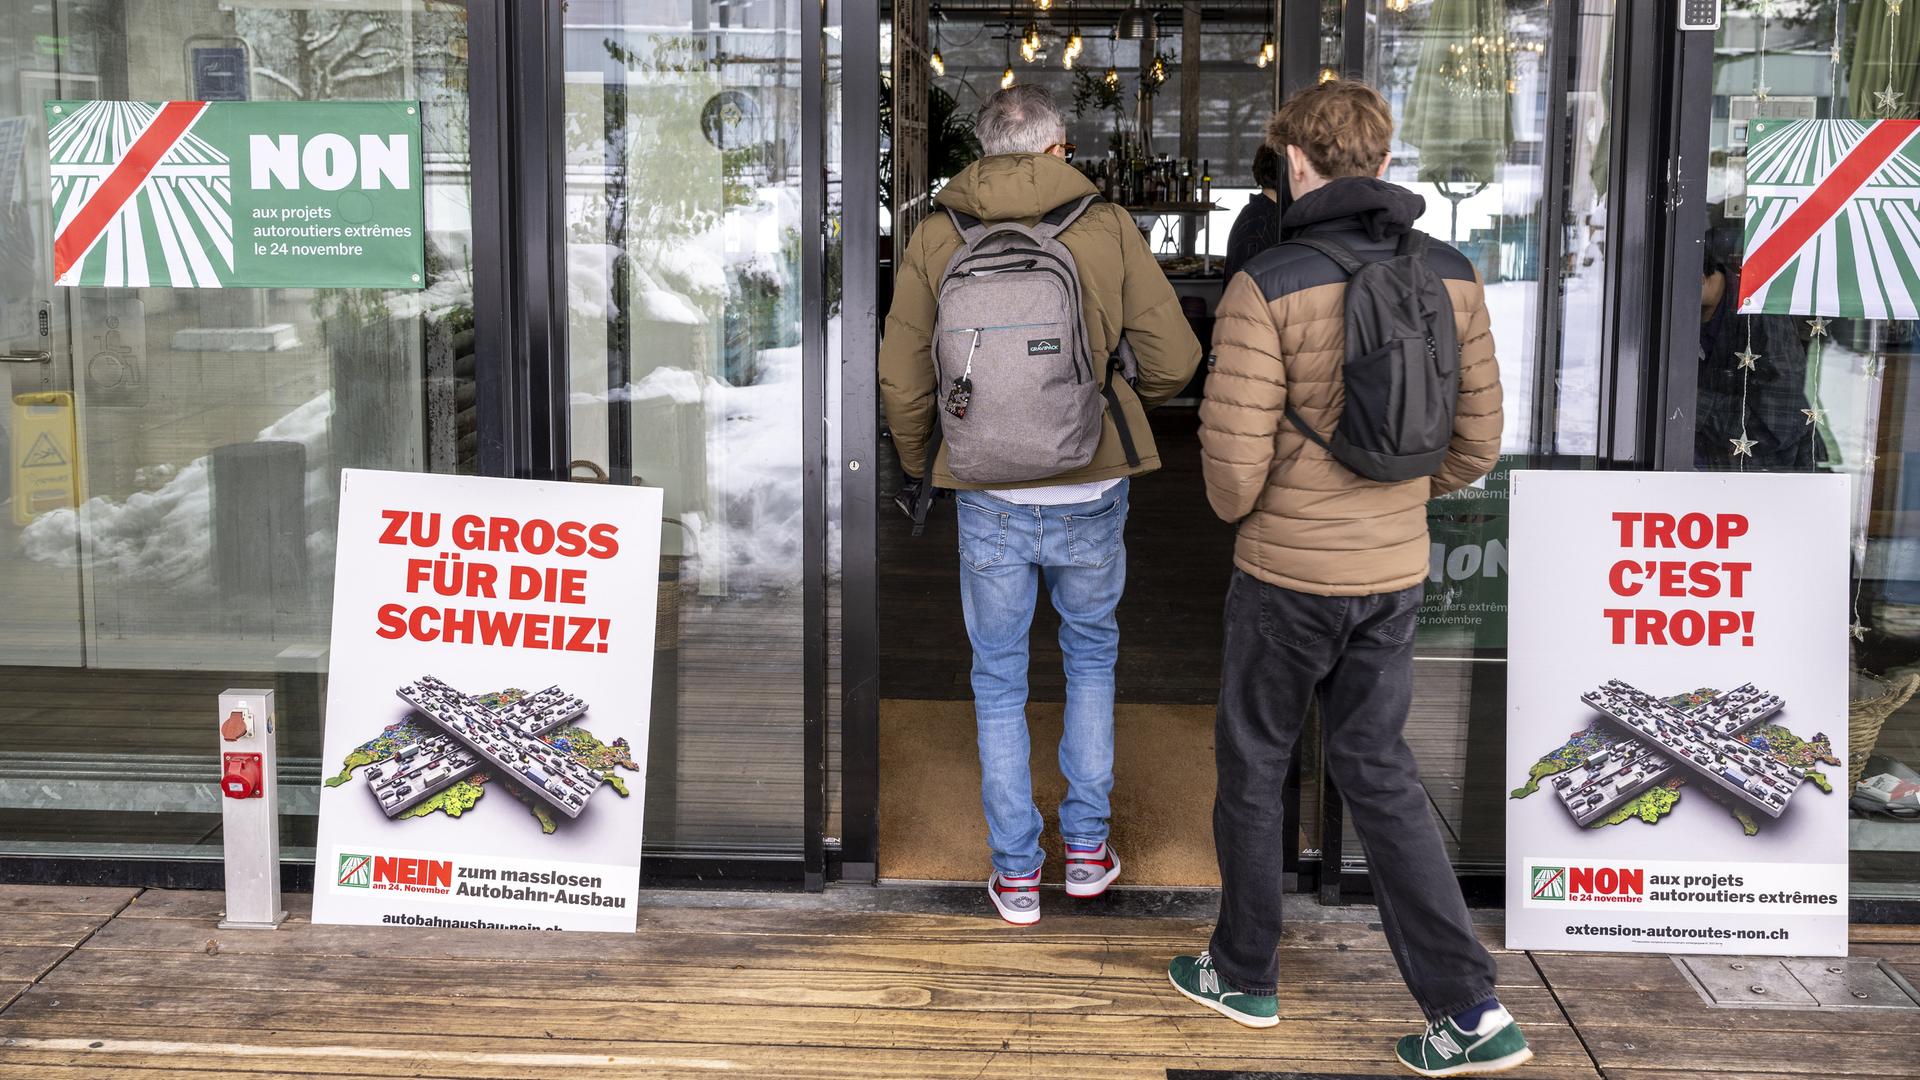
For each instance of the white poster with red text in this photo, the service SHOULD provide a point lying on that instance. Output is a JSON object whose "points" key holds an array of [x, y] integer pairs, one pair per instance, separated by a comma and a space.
{"points": [[1677, 713], [487, 703]]}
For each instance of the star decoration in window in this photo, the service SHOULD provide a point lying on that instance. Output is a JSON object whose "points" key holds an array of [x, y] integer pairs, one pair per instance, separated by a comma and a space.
{"points": [[1761, 93], [1814, 416], [1887, 102], [1747, 358], [1742, 447], [1817, 327]]}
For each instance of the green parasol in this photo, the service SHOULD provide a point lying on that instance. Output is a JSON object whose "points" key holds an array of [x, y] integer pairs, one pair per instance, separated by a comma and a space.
{"points": [[1457, 113]]}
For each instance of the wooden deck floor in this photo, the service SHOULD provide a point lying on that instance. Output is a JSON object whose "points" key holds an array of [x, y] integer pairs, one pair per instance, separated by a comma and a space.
{"points": [[123, 983]]}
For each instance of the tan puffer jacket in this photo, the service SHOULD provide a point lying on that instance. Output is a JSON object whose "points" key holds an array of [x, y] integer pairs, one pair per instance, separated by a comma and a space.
{"points": [[1307, 523]]}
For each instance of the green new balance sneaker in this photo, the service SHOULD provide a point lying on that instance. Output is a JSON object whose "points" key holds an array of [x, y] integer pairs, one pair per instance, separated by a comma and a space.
{"points": [[1495, 1045], [1194, 976]]}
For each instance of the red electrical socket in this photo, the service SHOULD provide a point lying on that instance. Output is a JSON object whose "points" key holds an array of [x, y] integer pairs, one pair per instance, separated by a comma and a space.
{"points": [[240, 776]]}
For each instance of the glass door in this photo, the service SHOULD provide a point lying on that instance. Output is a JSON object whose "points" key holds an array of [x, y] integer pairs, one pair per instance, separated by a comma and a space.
{"points": [[41, 623], [1503, 119], [173, 453], [683, 248]]}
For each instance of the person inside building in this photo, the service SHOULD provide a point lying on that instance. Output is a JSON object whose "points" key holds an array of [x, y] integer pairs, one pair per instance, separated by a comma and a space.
{"points": [[1329, 570], [1257, 228], [1063, 528], [1764, 407]]}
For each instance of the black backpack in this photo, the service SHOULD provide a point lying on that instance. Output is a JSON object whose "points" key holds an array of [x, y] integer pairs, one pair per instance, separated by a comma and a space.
{"points": [[1402, 370]]}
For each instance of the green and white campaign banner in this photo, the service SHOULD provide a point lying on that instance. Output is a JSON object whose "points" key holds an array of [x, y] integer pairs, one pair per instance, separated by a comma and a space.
{"points": [[1833, 219], [237, 194]]}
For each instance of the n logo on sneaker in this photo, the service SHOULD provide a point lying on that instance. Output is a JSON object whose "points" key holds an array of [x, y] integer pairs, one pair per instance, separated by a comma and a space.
{"points": [[1444, 1045], [1209, 981]]}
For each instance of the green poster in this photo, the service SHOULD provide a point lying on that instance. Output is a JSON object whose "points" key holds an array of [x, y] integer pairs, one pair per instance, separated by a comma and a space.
{"points": [[237, 194], [1466, 602]]}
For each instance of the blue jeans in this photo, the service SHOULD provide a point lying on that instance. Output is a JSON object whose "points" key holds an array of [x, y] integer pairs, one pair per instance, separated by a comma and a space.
{"points": [[1005, 551]]}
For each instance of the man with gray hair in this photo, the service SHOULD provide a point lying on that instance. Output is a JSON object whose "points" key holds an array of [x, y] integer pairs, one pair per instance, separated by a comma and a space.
{"points": [[1063, 526]]}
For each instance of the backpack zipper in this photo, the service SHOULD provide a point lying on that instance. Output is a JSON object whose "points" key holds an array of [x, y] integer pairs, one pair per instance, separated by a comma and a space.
{"points": [[976, 331], [1058, 270]]}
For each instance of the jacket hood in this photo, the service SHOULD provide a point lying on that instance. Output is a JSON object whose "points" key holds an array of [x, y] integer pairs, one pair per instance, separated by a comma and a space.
{"points": [[1008, 187], [1362, 202]]}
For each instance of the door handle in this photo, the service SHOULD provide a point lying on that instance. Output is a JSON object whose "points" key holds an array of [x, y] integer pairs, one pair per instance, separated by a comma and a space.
{"points": [[29, 356]]}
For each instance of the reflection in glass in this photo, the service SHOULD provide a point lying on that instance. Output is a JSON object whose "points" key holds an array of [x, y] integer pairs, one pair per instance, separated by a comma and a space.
{"points": [[204, 429], [682, 137], [1803, 394]]}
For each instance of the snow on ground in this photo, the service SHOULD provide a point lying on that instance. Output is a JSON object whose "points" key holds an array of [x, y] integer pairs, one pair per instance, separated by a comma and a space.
{"points": [[164, 538]]}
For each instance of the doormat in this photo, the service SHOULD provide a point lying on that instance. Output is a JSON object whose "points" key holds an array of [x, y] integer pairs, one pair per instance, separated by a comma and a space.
{"points": [[1217, 1074]]}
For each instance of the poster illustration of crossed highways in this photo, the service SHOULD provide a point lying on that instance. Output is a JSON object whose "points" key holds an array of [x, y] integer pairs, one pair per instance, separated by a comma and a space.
{"points": [[452, 746]]}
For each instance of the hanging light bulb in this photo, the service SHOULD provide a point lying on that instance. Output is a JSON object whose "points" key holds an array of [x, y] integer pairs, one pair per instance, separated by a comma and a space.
{"points": [[1158, 72], [1266, 51], [1006, 78], [1043, 5], [1327, 75], [1113, 76], [1075, 43], [938, 63]]}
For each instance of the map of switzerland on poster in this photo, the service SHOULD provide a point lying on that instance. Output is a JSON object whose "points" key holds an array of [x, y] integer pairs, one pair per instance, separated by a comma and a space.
{"points": [[488, 703], [1833, 221], [1677, 676]]}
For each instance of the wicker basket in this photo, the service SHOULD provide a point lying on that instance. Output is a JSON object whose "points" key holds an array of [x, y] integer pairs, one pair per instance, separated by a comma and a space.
{"points": [[1867, 715]]}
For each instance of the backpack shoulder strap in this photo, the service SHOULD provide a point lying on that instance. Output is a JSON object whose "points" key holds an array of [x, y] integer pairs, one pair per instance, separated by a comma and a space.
{"points": [[970, 228], [1060, 218], [1414, 243], [1333, 249]]}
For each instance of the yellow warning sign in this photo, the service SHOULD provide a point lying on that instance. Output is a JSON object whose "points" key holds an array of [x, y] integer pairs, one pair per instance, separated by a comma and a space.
{"points": [[45, 475]]}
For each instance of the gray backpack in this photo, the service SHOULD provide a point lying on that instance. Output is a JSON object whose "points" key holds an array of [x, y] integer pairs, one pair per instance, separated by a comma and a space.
{"points": [[1015, 381], [1402, 370]]}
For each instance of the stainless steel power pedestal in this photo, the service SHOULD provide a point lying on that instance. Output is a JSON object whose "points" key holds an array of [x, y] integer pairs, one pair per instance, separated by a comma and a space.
{"points": [[250, 811]]}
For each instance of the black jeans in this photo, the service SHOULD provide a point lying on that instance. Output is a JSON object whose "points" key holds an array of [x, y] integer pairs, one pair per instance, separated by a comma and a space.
{"points": [[1356, 654]]}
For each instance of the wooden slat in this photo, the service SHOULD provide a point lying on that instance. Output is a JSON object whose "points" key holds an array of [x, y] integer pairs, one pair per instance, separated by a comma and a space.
{"points": [[24, 963], [515, 1059], [1889, 933], [66, 930], [62, 900], [1603, 971], [1011, 957], [835, 923], [11, 990], [478, 980], [1194, 1032]]}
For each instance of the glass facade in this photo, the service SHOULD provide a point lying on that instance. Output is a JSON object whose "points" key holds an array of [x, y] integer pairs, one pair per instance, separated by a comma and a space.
{"points": [[1829, 395], [1479, 123], [196, 436], [682, 129], [703, 239]]}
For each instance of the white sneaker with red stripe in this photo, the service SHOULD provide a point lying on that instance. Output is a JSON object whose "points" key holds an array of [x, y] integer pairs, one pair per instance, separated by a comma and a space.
{"points": [[1016, 899], [1089, 872]]}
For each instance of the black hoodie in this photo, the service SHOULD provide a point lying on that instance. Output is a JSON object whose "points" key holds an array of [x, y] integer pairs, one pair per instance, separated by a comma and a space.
{"points": [[1367, 215]]}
